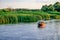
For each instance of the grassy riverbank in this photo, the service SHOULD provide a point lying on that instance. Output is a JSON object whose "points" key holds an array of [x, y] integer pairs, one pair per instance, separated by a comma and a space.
{"points": [[7, 17]]}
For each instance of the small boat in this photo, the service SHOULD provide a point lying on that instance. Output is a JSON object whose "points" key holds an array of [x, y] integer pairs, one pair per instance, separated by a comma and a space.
{"points": [[41, 25]]}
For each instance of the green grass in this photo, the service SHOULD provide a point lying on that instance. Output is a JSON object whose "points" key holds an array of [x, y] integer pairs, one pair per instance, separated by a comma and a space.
{"points": [[26, 16]]}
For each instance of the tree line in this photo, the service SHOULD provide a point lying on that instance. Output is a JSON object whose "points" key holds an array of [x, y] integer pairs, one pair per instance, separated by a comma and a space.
{"points": [[54, 7]]}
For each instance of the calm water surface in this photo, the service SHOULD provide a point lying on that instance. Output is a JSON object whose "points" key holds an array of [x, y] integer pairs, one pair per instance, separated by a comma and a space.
{"points": [[30, 31]]}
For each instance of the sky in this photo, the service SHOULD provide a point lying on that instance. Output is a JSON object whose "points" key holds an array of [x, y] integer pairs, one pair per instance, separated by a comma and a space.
{"points": [[29, 4]]}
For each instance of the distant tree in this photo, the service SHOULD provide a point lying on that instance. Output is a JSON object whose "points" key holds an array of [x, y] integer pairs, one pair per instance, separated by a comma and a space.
{"points": [[47, 8], [57, 6], [7, 10], [51, 8], [44, 8]]}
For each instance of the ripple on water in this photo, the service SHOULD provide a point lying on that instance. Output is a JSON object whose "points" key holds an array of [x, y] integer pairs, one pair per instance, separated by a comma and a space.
{"points": [[27, 32]]}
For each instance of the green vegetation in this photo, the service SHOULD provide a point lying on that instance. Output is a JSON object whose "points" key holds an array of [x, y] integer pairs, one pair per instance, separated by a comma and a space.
{"points": [[11, 16], [55, 7]]}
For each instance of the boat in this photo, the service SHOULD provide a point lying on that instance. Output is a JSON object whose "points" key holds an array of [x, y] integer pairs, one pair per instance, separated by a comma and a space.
{"points": [[41, 24]]}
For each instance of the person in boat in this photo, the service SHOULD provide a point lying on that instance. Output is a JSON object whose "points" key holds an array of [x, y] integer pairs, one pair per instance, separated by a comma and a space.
{"points": [[41, 25]]}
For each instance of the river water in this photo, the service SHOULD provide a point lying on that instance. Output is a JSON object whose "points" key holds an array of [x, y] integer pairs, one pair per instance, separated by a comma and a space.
{"points": [[30, 31]]}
